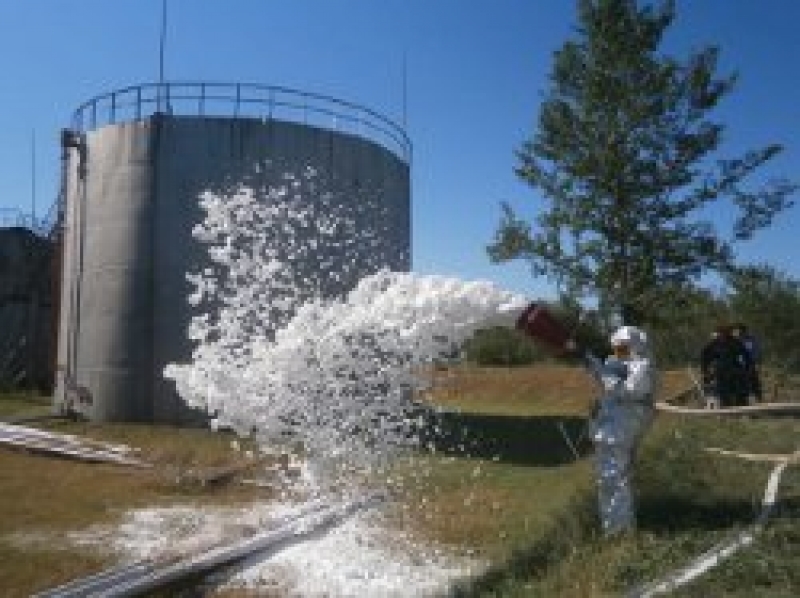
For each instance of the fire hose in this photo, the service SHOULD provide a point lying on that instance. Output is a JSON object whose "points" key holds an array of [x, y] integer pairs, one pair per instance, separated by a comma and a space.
{"points": [[713, 557], [538, 324]]}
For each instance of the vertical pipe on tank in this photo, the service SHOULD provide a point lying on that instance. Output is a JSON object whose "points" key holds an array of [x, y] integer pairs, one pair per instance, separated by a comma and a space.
{"points": [[73, 170]]}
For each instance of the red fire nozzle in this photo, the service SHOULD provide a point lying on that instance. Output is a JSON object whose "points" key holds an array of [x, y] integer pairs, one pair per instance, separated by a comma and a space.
{"points": [[538, 323]]}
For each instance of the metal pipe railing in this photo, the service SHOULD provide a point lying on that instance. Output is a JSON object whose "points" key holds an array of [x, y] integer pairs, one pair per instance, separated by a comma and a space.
{"points": [[241, 100], [15, 217]]}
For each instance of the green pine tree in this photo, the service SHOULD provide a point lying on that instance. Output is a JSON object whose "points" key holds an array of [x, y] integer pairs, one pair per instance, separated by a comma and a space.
{"points": [[623, 157]]}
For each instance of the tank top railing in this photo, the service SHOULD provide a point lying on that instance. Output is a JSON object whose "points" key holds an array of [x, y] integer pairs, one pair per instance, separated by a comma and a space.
{"points": [[17, 218], [241, 100]]}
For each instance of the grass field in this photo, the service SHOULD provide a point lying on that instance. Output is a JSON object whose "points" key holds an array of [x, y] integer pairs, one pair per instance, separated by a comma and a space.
{"points": [[689, 499], [22, 405], [501, 485], [45, 497]]}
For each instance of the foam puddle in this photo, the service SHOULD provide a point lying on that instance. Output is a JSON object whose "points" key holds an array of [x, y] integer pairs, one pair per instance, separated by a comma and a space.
{"points": [[332, 378], [356, 558]]}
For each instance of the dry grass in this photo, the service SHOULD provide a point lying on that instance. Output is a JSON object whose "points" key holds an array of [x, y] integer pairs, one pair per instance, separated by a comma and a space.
{"points": [[46, 497], [487, 509], [689, 499], [501, 485], [550, 389], [23, 405], [502, 474], [486, 506]]}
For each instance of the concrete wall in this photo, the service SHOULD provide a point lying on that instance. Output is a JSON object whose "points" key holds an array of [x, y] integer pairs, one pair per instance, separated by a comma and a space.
{"points": [[128, 242]]}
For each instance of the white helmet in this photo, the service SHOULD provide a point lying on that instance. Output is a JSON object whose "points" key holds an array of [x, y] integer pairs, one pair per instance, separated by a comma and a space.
{"points": [[633, 337]]}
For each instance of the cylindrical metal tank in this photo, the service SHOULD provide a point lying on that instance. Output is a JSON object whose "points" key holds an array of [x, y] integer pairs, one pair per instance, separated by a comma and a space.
{"points": [[131, 185], [25, 301]]}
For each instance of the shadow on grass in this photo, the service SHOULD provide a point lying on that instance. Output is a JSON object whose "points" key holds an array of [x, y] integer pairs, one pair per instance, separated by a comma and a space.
{"points": [[670, 514], [788, 508], [521, 440]]}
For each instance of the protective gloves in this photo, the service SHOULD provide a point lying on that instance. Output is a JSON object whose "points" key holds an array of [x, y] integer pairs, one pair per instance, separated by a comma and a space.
{"points": [[612, 374]]}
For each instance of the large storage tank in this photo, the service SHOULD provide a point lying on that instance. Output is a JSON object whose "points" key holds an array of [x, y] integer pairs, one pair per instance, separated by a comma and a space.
{"points": [[135, 163], [26, 352]]}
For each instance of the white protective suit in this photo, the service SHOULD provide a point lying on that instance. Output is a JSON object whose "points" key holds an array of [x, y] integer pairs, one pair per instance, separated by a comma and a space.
{"points": [[624, 413]]}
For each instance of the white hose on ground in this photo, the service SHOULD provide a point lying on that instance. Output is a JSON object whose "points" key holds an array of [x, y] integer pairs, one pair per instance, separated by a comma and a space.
{"points": [[723, 550], [759, 409]]}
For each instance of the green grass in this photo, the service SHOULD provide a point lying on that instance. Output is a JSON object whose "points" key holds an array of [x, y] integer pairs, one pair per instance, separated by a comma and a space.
{"points": [[688, 499], [485, 508], [44, 497], [22, 404], [501, 485]]}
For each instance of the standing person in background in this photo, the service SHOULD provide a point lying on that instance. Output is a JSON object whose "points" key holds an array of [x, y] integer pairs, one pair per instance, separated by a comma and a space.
{"points": [[753, 347], [708, 374], [624, 413], [727, 368]]}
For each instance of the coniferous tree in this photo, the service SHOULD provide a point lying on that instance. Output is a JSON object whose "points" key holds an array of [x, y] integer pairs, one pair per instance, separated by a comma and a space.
{"points": [[624, 157]]}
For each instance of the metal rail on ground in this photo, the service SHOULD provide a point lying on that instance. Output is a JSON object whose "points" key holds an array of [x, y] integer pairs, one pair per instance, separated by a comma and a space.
{"points": [[66, 445]]}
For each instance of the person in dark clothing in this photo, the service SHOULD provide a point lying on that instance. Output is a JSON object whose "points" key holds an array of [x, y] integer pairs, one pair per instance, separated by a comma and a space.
{"points": [[754, 349], [709, 387], [727, 368]]}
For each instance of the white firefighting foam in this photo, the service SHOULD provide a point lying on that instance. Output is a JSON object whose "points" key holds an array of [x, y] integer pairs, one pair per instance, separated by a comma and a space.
{"points": [[332, 375], [279, 359]]}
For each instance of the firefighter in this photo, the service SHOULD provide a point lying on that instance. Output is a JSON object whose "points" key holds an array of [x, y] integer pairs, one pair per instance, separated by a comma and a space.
{"points": [[624, 413]]}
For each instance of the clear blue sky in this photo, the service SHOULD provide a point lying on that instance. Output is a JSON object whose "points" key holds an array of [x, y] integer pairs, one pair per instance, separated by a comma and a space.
{"points": [[476, 71]]}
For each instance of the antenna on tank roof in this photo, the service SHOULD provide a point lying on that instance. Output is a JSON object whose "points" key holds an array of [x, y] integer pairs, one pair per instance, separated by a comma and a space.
{"points": [[33, 178], [405, 89], [161, 45]]}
